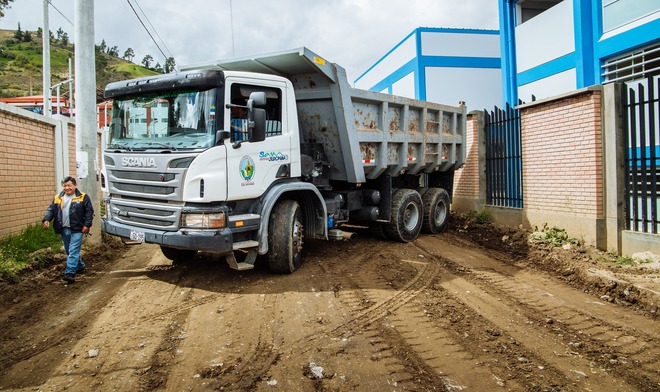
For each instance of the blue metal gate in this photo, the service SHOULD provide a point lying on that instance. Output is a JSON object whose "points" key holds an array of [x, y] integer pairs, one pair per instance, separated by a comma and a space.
{"points": [[504, 186], [641, 116]]}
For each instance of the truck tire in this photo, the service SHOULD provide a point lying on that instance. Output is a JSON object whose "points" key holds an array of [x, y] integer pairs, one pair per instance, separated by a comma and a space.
{"points": [[436, 210], [285, 237], [178, 255], [406, 220]]}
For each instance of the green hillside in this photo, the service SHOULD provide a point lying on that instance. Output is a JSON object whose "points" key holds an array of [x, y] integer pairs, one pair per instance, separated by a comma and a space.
{"points": [[21, 63]]}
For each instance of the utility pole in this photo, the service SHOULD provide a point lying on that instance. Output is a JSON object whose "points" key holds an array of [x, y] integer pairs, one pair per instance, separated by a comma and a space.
{"points": [[46, 63], [85, 90]]}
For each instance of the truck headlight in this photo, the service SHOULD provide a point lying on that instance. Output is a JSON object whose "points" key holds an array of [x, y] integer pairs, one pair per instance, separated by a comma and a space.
{"points": [[215, 220]]}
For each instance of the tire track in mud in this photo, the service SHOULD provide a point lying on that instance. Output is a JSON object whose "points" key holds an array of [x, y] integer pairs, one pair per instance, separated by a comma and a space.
{"points": [[380, 304], [563, 334], [17, 349], [415, 352], [243, 375], [433, 349], [619, 346], [419, 352], [253, 366]]}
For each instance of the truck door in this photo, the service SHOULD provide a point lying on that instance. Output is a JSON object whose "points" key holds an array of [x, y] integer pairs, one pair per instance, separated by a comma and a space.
{"points": [[252, 167]]}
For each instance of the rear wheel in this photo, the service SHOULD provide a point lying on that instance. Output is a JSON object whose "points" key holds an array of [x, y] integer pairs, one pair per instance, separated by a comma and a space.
{"points": [[178, 255], [285, 237], [436, 210], [406, 219]]}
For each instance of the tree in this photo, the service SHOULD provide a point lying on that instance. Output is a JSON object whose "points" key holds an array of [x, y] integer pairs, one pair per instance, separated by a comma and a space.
{"points": [[170, 65], [158, 68], [19, 33], [4, 4], [147, 60], [40, 32], [60, 32], [65, 39], [27, 36], [103, 47], [114, 51], [129, 54]]}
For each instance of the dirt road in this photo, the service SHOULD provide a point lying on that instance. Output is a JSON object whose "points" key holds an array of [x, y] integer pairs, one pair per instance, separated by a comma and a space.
{"points": [[438, 314]]}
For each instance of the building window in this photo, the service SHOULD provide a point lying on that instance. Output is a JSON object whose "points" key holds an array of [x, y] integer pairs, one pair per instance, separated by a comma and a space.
{"points": [[617, 13], [635, 65]]}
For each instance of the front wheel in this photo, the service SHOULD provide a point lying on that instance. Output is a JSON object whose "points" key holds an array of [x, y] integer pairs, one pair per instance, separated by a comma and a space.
{"points": [[285, 237], [178, 255], [436, 210], [406, 219]]}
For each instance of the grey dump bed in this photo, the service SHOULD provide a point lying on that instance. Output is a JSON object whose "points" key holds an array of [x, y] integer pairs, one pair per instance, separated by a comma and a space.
{"points": [[364, 133]]}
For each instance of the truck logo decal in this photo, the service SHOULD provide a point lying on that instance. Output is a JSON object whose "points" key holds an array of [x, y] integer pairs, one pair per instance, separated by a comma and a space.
{"points": [[247, 170], [272, 156], [138, 162]]}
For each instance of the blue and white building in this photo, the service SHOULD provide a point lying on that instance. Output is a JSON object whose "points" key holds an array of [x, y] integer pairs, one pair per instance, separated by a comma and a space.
{"points": [[441, 65], [550, 47]]}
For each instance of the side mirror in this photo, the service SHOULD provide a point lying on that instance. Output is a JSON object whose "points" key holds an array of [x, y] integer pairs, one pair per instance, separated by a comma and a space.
{"points": [[257, 129], [221, 135], [257, 99]]}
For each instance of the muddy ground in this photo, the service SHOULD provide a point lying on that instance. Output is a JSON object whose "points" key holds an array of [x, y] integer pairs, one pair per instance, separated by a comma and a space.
{"points": [[477, 307]]}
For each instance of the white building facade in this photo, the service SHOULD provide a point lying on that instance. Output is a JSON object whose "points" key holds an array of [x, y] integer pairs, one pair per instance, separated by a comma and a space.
{"points": [[550, 47], [441, 65]]}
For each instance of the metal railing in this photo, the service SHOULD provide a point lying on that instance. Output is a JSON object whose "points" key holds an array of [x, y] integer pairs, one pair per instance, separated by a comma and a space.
{"points": [[504, 185], [641, 116]]}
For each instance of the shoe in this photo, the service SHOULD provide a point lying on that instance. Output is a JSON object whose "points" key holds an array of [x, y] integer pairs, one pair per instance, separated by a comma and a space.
{"points": [[81, 271], [68, 278]]}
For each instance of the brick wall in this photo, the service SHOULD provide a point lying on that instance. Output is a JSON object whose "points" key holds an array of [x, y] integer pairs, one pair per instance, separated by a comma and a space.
{"points": [[466, 179], [27, 151], [562, 156]]}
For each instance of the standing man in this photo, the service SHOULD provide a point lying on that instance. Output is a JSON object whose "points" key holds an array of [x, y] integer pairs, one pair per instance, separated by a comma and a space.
{"points": [[72, 214]]}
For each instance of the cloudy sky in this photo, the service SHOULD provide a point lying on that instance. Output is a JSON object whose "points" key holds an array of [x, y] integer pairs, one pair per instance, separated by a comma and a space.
{"points": [[352, 33]]}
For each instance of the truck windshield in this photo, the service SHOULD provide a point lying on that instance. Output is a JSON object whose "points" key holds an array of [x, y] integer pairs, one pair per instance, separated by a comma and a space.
{"points": [[169, 120]]}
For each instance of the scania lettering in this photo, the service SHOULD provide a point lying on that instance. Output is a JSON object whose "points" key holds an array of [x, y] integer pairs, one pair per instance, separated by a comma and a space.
{"points": [[254, 156], [138, 162]]}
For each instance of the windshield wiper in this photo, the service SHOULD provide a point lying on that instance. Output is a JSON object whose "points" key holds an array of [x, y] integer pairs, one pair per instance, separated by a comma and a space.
{"points": [[119, 145], [162, 145]]}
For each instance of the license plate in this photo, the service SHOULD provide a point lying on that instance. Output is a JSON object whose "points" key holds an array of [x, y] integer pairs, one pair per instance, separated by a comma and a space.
{"points": [[137, 236]]}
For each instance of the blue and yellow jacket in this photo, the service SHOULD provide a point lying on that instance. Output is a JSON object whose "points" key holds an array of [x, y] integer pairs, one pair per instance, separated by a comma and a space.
{"points": [[81, 212]]}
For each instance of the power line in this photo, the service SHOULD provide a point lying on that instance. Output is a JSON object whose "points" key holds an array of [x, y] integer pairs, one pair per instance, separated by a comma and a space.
{"points": [[146, 29], [59, 12], [153, 28]]}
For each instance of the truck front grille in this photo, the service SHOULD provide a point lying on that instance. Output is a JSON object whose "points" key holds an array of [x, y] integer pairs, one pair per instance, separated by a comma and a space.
{"points": [[161, 216]]}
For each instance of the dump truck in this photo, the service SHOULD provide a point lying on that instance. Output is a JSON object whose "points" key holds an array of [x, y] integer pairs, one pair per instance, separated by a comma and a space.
{"points": [[253, 156]]}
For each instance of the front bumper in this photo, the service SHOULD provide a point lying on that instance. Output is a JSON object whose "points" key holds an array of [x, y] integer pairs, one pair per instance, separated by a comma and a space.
{"points": [[218, 240]]}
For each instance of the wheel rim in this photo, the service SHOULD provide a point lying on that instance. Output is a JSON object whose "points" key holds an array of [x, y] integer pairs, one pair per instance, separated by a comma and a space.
{"points": [[297, 237], [440, 213], [411, 216]]}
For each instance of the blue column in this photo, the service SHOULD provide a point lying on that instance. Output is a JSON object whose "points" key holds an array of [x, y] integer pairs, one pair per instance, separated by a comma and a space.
{"points": [[420, 68], [585, 66], [508, 51]]}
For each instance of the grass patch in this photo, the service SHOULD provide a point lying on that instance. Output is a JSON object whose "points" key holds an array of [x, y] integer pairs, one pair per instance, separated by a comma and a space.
{"points": [[15, 250], [623, 260], [479, 217], [553, 235], [135, 71]]}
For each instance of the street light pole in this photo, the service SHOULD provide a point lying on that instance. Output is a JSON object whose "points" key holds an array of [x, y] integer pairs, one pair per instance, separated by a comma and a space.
{"points": [[46, 63], [85, 90]]}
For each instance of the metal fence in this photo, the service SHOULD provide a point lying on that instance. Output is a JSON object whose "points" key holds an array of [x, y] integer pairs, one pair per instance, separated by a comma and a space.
{"points": [[641, 116], [504, 186]]}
